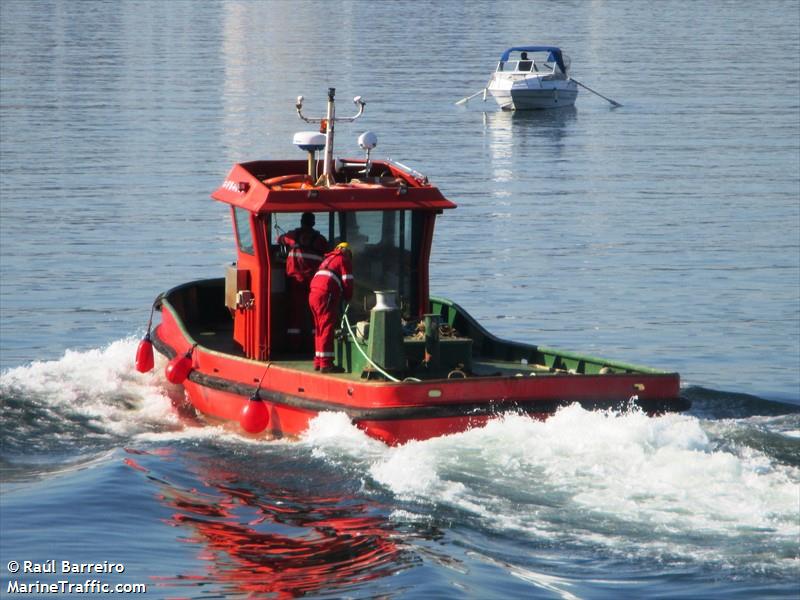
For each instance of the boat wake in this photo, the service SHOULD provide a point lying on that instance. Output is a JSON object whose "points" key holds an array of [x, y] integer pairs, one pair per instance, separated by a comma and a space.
{"points": [[717, 486], [676, 489], [83, 402]]}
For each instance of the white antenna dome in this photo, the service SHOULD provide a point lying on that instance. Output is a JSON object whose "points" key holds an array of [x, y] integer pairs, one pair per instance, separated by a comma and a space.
{"points": [[310, 141], [367, 140]]}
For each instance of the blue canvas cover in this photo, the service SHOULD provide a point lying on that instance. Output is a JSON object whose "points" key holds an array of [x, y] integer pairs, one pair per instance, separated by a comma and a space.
{"points": [[555, 54]]}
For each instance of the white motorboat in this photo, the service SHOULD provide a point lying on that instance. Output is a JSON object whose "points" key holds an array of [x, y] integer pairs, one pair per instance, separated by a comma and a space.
{"points": [[532, 77]]}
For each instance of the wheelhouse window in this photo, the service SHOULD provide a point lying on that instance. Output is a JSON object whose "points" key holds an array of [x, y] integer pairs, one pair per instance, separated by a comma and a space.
{"points": [[244, 235], [285, 222], [386, 246], [386, 255]]}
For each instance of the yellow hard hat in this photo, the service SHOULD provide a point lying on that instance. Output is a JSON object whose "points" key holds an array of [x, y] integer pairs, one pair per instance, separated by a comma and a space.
{"points": [[343, 246]]}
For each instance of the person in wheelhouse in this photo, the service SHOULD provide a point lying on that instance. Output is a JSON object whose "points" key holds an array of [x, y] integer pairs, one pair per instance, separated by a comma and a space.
{"points": [[306, 249]]}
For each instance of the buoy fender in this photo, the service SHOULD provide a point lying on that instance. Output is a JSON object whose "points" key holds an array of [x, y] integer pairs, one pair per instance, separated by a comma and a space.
{"points": [[178, 369], [254, 417], [144, 355]]}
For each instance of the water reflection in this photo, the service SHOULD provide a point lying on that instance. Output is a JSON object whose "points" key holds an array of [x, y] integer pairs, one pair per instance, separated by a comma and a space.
{"points": [[542, 126], [517, 138], [273, 538], [546, 118]]}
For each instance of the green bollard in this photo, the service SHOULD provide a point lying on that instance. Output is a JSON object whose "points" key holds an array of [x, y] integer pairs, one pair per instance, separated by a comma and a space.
{"points": [[385, 345]]}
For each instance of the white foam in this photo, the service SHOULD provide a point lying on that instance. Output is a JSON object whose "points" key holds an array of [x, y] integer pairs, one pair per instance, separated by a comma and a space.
{"points": [[617, 479], [333, 436], [206, 433], [634, 484], [99, 384]]}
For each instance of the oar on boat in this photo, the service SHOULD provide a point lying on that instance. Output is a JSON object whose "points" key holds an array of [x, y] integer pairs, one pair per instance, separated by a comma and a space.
{"points": [[614, 102], [468, 98]]}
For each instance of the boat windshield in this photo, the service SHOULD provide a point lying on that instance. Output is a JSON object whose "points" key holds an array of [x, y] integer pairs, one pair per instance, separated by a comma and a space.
{"points": [[244, 237], [543, 63], [387, 248], [386, 255]]}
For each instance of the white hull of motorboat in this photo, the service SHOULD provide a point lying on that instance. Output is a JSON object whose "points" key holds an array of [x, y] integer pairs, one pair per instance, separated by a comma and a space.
{"points": [[532, 94]]}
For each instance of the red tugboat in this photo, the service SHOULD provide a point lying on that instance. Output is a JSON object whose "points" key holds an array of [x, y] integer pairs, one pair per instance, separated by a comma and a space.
{"points": [[408, 366]]}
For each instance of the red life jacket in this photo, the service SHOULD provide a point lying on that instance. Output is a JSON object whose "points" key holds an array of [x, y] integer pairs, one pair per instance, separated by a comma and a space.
{"points": [[335, 276], [306, 247]]}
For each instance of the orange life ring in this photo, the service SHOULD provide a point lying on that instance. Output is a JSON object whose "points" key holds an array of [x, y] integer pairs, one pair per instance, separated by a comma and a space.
{"points": [[289, 182]]}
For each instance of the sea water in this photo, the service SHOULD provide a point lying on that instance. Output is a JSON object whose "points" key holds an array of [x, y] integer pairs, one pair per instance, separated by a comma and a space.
{"points": [[665, 232]]}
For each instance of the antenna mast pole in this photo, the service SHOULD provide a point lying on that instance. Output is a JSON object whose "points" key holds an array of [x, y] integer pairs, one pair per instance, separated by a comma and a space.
{"points": [[327, 171], [327, 178]]}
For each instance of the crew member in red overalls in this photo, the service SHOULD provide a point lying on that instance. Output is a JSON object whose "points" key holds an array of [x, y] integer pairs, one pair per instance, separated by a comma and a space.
{"points": [[332, 282], [306, 249]]}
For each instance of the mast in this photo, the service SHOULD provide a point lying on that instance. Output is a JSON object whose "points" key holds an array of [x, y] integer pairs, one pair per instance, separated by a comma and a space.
{"points": [[327, 170], [327, 126]]}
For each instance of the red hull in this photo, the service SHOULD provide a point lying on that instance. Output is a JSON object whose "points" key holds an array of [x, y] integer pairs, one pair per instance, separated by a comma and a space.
{"points": [[220, 386]]}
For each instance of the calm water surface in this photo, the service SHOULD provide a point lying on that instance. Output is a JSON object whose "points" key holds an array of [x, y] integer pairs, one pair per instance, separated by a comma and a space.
{"points": [[665, 232]]}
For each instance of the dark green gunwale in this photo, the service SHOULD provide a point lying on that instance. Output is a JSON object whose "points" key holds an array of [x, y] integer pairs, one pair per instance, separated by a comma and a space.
{"points": [[203, 319]]}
